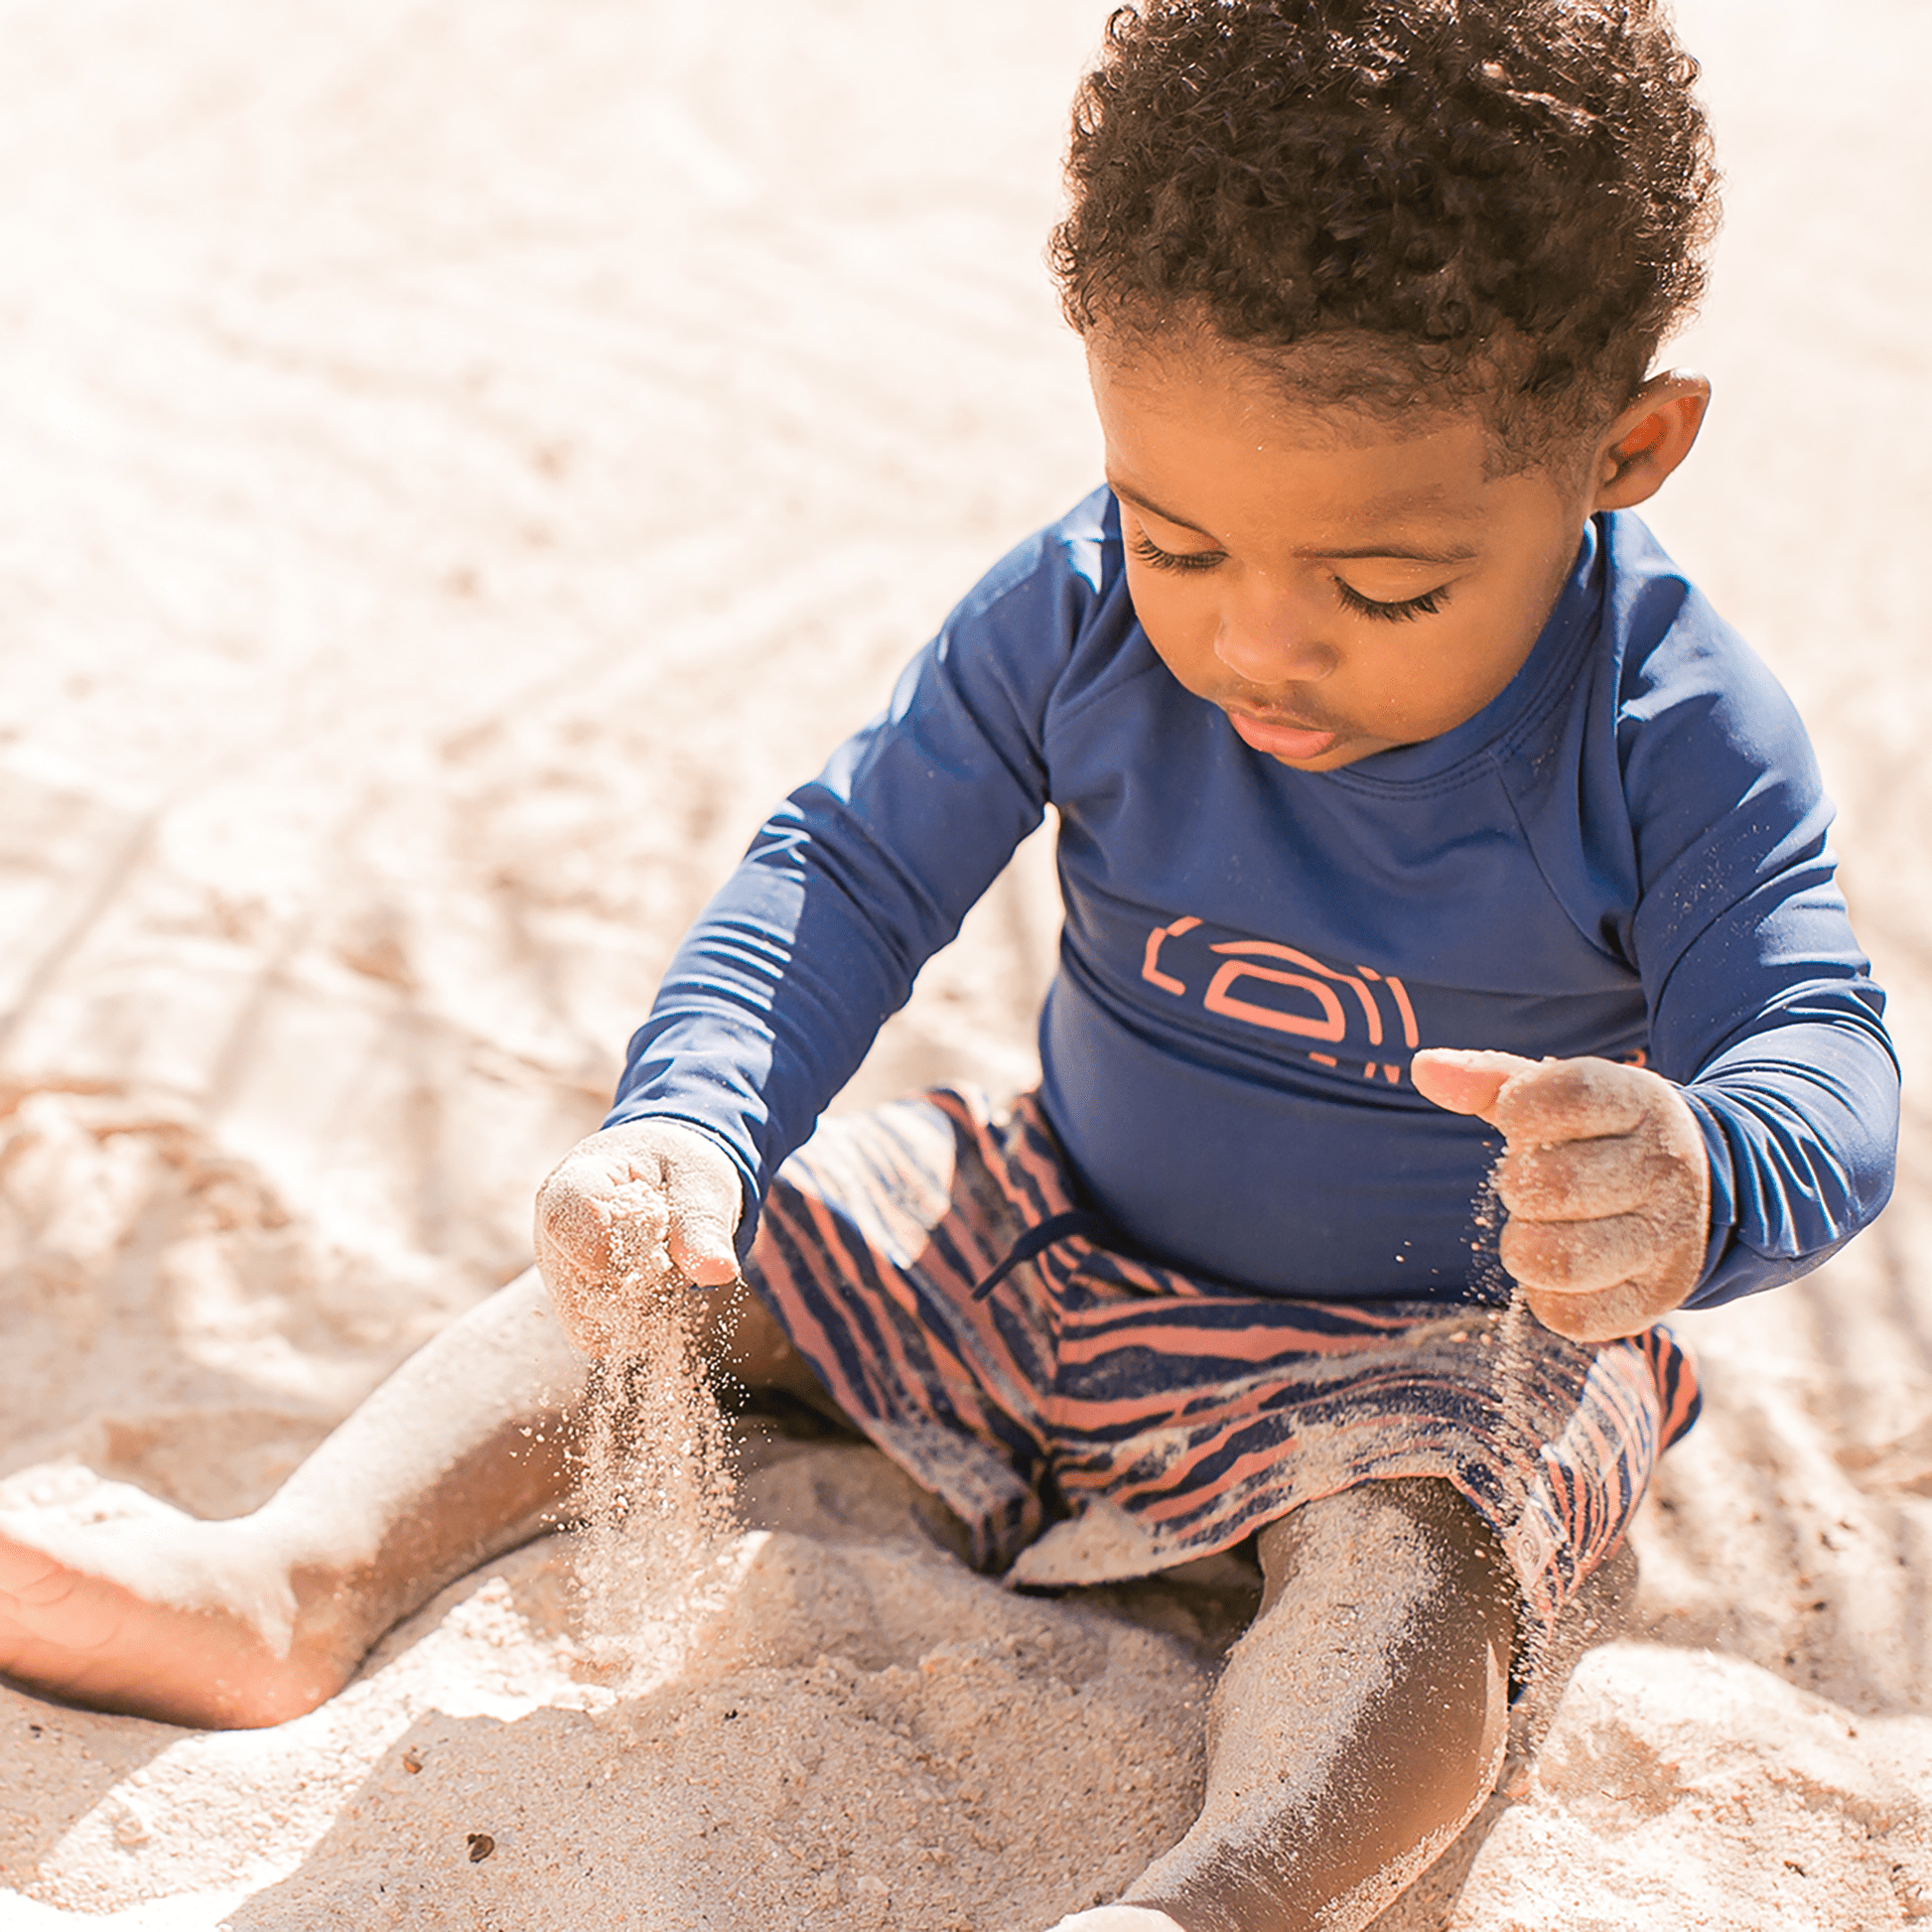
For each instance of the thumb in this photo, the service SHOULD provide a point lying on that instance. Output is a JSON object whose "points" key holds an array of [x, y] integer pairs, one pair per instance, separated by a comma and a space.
{"points": [[1466, 1082], [705, 1206]]}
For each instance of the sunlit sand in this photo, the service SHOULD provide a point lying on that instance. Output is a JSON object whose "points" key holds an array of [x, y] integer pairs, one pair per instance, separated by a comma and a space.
{"points": [[459, 465]]}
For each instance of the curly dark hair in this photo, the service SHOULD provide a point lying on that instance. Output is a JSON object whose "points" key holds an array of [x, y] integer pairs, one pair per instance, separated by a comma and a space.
{"points": [[1501, 200]]}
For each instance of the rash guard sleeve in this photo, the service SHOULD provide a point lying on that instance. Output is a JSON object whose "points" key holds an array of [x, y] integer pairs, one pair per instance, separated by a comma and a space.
{"points": [[777, 992], [1760, 1002]]}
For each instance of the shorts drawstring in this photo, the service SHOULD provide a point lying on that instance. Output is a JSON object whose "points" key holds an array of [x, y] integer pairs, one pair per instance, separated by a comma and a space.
{"points": [[1072, 1225]]}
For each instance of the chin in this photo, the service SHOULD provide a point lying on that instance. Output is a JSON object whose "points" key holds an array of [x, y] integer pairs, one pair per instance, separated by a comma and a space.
{"points": [[1333, 759]]}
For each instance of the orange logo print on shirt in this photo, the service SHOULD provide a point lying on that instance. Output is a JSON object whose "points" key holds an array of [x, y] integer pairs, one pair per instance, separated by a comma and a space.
{"points": [[1340, 999]]}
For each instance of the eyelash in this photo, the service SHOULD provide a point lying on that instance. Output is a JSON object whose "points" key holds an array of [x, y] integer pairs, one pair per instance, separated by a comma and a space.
{"points": [[1150, 552], [1404, 612]]}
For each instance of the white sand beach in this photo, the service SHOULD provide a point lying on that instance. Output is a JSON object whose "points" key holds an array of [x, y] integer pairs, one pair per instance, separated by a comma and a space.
{"points": [[459, 465]]}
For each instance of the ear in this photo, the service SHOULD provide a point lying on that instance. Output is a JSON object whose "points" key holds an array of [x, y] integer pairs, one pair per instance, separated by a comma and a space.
{"points": [[1650, 436]]}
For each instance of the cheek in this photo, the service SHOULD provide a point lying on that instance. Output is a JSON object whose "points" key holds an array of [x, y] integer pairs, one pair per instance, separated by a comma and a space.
{"points": [[1453, 675], [1179, 622]]}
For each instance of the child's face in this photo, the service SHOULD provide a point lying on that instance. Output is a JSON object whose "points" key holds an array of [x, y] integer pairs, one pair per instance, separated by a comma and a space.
{"points": [[1336, 584]]}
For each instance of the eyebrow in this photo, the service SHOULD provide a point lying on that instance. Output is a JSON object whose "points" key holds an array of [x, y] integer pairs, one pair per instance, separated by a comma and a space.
{"points": [[1457, 553], [1141, 502]]}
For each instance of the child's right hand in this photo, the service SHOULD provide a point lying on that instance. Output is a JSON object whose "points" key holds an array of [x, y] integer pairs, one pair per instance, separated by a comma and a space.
{"points": [[648, 1201]]}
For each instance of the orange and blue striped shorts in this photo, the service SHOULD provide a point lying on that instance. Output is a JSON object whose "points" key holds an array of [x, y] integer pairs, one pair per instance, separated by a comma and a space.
{"points": [[1091, 1415]]}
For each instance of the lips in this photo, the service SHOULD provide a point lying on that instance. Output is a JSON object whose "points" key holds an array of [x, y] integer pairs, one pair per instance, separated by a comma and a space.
{"points": [[1282, 739]]}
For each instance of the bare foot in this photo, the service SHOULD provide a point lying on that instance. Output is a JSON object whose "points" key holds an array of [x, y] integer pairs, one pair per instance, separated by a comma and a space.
{"points": [[114, 1599]]}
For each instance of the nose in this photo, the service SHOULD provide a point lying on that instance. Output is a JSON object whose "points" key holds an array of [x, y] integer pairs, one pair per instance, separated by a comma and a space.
{"points": [[1273, 647]]}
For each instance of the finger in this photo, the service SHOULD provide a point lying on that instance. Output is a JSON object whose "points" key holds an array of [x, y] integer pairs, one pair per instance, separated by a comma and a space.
{"points": [[1463, 1081], [1600, 1313], [578, 1301], [604, 1219], [636, 1235], [592, 1339], [1584, 1181], [1576, 1100], [569, 1224], [1572, 1257], [705, 1200], [594, 1303], [700, 1241]]}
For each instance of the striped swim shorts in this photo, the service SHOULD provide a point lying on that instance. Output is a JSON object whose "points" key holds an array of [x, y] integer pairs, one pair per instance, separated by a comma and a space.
{"points": [[1093, 1416]]}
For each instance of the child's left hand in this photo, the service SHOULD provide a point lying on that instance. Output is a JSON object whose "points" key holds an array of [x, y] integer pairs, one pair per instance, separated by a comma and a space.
{"points": [[1604, 1177]]}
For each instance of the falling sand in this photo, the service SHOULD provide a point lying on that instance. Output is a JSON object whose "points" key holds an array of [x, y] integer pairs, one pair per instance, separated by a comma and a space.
{"points": [[657, 1488]]}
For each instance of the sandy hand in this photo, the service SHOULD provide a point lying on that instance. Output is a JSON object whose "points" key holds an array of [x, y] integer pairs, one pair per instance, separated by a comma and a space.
{"points": [[1604, 1177], [649, 1202]]}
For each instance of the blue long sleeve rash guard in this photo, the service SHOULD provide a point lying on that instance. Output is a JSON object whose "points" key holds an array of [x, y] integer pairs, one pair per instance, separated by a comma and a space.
{"points": [[1624, 854]]}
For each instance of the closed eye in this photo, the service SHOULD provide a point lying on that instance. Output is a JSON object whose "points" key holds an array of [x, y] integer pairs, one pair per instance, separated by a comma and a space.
{"points": [[1398, 611], [1404, 611], [1150, 554]]}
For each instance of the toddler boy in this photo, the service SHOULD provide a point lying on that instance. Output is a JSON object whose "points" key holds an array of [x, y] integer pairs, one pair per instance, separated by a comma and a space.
{"points": [[1377, 728]]}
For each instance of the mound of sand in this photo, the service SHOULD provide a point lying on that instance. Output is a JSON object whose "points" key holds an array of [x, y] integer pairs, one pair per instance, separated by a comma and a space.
{"points": [[461, 464]]}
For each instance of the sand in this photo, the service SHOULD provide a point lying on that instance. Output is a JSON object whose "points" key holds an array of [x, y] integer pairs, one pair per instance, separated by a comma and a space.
{"points": [[460, 464], [657, 1554]]}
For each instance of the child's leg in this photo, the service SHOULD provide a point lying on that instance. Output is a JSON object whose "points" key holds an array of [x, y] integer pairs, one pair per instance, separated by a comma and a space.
{"points": [[1360, 1724], [460, 1454]]}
